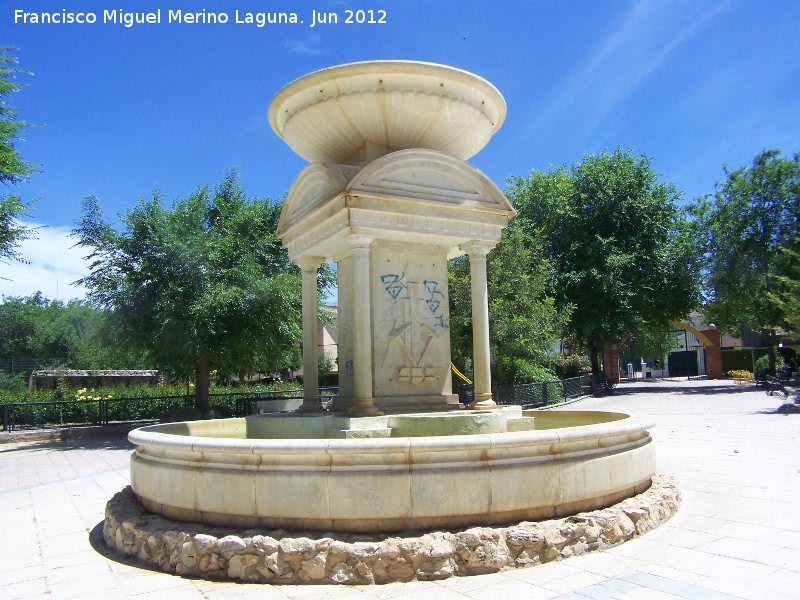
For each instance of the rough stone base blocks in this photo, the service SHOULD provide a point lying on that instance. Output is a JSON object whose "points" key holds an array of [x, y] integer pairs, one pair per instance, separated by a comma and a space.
{"points": [[283, 557]]}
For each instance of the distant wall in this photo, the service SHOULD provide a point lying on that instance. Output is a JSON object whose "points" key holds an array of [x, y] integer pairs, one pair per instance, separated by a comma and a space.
{"points": [[48, 379]]}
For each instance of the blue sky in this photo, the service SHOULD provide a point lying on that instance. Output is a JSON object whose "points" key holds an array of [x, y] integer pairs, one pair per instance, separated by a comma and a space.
{"points": [[694, 84]]}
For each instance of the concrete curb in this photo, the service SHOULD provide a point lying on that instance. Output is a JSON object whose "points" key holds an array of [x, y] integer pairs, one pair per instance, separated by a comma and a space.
{"points": [[63, 434]]}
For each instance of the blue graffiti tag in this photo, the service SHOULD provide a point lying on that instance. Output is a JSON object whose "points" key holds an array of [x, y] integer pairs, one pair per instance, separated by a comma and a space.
{"points": [[435, 302], [394, 284]]}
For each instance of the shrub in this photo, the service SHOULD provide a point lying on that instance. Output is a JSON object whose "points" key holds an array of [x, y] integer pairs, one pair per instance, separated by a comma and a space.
{"points": [[517, 371], [740, 376], [571, 365], [12, 383], [762, 365]]}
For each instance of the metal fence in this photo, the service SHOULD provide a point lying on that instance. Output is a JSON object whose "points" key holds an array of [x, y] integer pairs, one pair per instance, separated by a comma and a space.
{"points": [[14, 365], [62, 413], [248, 404], [88, 412], [125, 410], [536, 395]]}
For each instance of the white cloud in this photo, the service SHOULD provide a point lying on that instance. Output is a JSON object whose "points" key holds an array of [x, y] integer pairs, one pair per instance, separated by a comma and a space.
{"points": [[54, 266], [642, 42], [308, 46]]}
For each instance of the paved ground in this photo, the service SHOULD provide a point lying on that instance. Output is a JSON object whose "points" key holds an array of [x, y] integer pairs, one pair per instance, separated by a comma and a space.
{"points": [[737, 534]]}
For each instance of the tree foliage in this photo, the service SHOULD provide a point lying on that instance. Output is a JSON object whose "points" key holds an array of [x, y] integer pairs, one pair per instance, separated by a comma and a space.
{"points": [[657, 344], [33, 327], [13, 169], [524, 322], [200, 285], [619, 245], [72, 333], [787, 296], [741, 228]]}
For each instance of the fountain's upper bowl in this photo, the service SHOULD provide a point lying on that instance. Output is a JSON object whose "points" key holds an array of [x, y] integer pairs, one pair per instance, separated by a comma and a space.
{"points": [[357, 112]]}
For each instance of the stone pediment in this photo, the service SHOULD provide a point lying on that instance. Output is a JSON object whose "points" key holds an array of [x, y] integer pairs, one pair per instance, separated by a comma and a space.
{"points": [[316, 184], [432, 176], [428, 177]]}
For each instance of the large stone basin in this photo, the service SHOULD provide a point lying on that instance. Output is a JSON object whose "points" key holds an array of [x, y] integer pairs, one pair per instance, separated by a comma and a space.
{"points": [[392, 473], [359, 111]]}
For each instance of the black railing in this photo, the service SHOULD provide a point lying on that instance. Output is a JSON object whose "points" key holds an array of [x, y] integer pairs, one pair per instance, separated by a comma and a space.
{"points": [[88, 412], [125, 410], [248, 404], [14, 365], [103, 412], [7, 414], [536, 395]]}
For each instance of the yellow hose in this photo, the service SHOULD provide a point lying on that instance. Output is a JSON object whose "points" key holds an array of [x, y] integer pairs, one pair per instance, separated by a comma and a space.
{"points": [[459, 373]]}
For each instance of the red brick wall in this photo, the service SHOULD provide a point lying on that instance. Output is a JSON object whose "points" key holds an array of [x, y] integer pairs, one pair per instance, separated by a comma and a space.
{"points": [[713, 355], [611, 362]]}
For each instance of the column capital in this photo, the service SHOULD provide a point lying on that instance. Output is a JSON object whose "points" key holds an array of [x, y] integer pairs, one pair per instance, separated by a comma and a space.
{"points": [[359, 240], [477, 248], [309, 263]]}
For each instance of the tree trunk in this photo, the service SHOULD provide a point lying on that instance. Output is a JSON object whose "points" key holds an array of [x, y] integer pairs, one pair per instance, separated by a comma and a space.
{"points": [[201, 384], [771, 343], [594, 357], [773, 320]]}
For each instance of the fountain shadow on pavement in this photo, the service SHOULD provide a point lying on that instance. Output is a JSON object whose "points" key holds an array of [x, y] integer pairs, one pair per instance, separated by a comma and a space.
{"points": [[669, 388]]}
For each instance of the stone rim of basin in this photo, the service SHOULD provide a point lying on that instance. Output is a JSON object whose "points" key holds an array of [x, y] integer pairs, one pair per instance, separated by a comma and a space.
{"points": [[169, 435]]}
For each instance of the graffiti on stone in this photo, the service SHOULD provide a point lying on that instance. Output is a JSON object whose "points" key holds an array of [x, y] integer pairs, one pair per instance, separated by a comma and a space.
{"points": [[434, 301], [418, 311], [393, 284]]}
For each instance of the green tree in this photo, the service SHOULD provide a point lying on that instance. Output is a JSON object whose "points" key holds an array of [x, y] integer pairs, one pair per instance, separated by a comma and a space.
{"points": [[199, 286], [524, 322], [74, 333], [620, 247], [787, 297], [13, 170], [742, 227], [646, 343], [21, 322]]}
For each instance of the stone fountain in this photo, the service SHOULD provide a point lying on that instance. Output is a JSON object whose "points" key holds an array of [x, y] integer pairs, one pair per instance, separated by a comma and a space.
{"points": [[389, 197]]}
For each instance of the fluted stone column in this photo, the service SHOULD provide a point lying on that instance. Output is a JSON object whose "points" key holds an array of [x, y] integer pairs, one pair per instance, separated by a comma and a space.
{"points": [[362, 328], [309, 266], [477, 252]]}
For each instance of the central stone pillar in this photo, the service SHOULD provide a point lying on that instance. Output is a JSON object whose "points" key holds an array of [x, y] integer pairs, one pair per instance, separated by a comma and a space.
{"points": [[394, 323], [410, 327], [477, 252]]}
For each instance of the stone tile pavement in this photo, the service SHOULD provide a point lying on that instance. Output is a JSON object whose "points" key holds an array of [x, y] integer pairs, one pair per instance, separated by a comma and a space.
{"points": [[736, 536]]}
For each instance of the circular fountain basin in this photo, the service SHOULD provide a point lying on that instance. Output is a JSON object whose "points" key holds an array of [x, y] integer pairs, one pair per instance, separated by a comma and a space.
{"points": [[357, 112], [392, 473]]}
